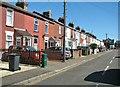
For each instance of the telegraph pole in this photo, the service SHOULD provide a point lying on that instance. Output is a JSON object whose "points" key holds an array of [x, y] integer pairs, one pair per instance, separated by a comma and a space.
{"points": [[106, 36], [64, 57], [106, 41]]}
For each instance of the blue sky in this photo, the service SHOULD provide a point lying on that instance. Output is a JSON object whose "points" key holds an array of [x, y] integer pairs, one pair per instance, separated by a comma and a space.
{"points": [[97, 18]]}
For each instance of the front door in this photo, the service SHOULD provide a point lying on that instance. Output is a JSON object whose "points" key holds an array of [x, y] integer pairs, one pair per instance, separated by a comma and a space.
{"points": [[46, 44], [28, 41]]}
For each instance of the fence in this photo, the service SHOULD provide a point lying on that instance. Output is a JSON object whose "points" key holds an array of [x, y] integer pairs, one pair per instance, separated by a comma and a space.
{"points": [[77, 53], [26, 57]]}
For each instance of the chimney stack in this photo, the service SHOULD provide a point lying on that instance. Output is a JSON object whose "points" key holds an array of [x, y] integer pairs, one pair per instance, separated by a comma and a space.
{"points": [[22, 4], [48, 14], [61, 19], [71, 24]]}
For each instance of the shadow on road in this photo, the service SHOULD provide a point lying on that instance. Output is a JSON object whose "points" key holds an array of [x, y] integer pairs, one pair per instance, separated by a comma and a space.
{"points": [[117, 57], [110, 77]]}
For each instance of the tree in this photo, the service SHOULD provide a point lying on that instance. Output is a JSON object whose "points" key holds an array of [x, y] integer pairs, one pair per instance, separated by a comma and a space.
{"points": [[93, 46]]}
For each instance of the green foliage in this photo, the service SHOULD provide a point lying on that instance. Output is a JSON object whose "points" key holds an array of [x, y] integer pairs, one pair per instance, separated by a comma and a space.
{"points": [[93, 45]]}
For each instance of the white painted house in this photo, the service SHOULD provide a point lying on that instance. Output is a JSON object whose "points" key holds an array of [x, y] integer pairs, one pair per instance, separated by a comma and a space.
{"points": [[83, 36], [68, 42], [73, 38], [78, 37]]}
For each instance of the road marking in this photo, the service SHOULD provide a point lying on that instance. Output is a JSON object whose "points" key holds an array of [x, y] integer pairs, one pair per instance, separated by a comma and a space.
{"points": [[105, 70], [114, 57], [110, 61], [97, 85]]}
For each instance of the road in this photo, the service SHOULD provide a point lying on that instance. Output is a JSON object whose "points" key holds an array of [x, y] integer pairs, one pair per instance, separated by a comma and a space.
{"points": [[103, 70]]}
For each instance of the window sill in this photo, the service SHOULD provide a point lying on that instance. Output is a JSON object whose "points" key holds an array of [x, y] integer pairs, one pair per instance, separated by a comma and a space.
{"points": [[36, 31], [46, 33], [9, 26]]}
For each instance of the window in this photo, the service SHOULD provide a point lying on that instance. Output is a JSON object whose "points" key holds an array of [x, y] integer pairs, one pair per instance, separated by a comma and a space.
{"points": [[8, 41], [18, 40], [46, 27], [36, 42], [9, 17], [36, 24], [9, 38], [60, 30]]}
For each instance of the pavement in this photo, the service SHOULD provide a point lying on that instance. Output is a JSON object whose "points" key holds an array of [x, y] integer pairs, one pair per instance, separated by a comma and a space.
{"points": [[30, 74]]}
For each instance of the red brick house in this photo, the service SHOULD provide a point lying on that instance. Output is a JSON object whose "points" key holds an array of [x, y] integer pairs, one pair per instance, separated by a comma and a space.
{"points": [[21, 27]]}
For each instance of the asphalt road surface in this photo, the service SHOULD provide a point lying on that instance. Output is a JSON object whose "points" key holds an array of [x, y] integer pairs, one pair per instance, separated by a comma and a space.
{"points": [[101, 71]]}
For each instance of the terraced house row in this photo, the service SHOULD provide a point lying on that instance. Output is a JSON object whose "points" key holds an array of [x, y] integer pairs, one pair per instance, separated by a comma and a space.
{"points": [[19, 26]]}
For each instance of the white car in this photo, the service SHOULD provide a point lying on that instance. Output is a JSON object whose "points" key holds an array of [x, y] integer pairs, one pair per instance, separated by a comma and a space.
{"points": [[68, 53]]}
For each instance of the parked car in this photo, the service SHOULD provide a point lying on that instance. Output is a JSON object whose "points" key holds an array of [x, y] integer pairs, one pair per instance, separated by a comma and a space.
{"points": [[57, 48], [27, 53], [68, 53], [102, 49]]}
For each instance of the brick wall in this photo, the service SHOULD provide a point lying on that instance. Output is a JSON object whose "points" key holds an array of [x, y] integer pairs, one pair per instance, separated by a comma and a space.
{"points": [[77, 53], [54, 55]]}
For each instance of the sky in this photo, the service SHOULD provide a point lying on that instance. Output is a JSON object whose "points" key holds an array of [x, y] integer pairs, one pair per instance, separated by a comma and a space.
{"points": [[97, 18]]}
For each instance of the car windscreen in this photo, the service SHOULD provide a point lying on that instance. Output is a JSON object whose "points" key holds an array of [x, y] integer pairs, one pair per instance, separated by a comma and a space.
{"points": [[31, 48], [16, 48], [54, 48]]}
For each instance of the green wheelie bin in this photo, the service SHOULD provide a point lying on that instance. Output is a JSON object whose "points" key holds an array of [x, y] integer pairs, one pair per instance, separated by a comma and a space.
{"points": [[84, 51], [44, 60]]}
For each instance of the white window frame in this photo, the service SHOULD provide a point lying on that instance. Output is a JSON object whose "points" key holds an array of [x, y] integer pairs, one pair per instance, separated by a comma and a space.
{"points": [[8, 39], [9, 33], [47, 31], [12, 17], [37, 24], [60, 30], [19, 39]]}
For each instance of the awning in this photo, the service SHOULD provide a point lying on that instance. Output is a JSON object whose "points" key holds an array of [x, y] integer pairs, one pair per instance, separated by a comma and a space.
{"points": [[53, 39], [23, 33]]}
